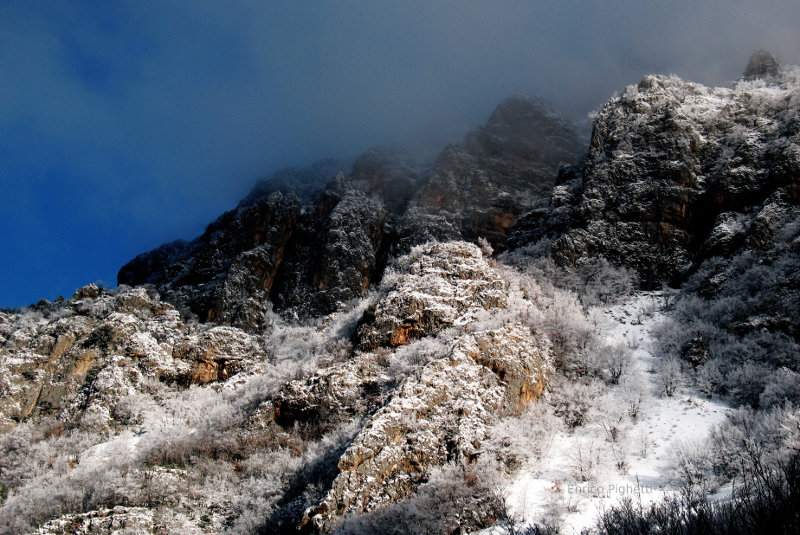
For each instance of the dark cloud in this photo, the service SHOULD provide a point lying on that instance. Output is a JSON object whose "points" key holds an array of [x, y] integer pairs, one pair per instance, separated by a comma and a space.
{"points": [[123, 124]]}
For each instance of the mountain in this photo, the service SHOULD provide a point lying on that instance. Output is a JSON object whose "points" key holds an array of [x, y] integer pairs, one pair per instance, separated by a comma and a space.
{"points": [[311, 255], [678, 173], [488, 341]]}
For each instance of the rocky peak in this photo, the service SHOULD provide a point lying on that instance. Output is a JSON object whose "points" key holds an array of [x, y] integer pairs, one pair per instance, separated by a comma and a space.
{"points": [[479, 187], [305, 182], [524, 130], [762, 64], [667, 159]]}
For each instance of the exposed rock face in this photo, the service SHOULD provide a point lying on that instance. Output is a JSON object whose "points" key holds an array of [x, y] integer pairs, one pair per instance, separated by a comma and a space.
{"points": [[426, 403], [302, 247], [439, 414], [443, 286], [334, 252], [335, 394], [557, 217], [671, 164], [226, 274], [747, 250], [480, 186], [86, 355], [270, 249]]}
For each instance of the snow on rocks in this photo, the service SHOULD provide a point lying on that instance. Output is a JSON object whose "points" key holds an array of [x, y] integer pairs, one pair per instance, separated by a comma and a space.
{"points": [[119, 520], [442, 285], [440, 413], [667, 158], [85, 354], [585, 472]]}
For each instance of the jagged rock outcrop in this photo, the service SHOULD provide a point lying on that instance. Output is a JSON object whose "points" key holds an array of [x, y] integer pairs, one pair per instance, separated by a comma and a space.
{"points": [[428, 395], [335, 394], [557, 217], [83, 356], [444, 285], [226, 274], [440, 414], [437, 285], [479, 187], [309, 253], [671, 164], [334, 252]]}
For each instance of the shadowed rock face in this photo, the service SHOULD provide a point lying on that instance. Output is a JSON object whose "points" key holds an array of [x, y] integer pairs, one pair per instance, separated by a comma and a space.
{"points": [[480, 186], [333, 252], [235, 260], [762, 64], [271, 250], [308, 249], [672, 171]]}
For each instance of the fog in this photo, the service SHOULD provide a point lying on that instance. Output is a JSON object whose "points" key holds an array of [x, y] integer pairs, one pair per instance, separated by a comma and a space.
{"points": [[126, 124]]}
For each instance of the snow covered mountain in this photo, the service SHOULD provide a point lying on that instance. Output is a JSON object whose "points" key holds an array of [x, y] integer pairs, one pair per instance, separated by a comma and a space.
{"points": [[506, 341]]}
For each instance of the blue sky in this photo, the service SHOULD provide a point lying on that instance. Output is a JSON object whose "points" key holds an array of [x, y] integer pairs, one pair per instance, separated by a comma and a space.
{"points": [[127, 124]]}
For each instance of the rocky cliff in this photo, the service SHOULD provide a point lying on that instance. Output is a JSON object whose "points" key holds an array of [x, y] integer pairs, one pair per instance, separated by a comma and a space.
{"points": [[441, 412], [672, 165], [77, 359], [311, 249], [424, 380], [479, 187]]}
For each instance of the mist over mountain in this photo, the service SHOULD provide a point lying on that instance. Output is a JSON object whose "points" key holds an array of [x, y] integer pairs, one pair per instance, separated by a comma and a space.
{"points": [[400, 269], [126, 125], [527, 334]]}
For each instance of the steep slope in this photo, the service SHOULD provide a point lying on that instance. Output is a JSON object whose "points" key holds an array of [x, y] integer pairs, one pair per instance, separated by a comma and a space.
{"points": [[122, 415], [442, 410], [224, 275], [441, 414]]}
